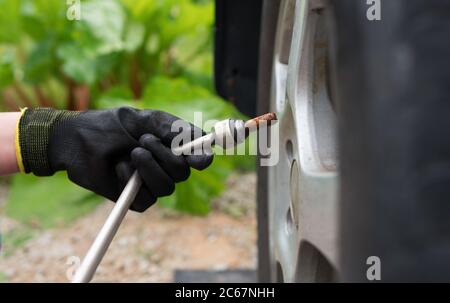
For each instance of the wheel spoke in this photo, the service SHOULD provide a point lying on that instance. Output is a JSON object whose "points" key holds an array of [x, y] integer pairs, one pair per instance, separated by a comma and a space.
{"points": [[303, 185]]}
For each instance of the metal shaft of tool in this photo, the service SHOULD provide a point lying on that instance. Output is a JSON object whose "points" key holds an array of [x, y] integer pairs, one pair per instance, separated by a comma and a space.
{"points": [[101, 243], [98, 249]]}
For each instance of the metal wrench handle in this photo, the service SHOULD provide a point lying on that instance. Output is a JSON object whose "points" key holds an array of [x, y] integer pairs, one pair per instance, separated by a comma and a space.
{"points": [[98, 249]]}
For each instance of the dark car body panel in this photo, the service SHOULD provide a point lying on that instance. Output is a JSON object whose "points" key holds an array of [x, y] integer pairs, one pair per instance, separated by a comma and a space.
{"points": [[236, 52]]}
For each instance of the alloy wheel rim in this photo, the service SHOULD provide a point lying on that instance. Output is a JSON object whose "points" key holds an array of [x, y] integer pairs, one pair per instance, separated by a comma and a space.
{"points": [[303, 185]]}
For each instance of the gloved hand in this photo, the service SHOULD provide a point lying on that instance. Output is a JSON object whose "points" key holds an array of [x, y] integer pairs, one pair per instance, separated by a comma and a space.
{"points": [[101, 149]]}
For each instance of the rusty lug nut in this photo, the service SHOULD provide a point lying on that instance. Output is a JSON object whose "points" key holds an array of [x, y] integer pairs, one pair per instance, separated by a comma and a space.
{"points": [[254, 123]]}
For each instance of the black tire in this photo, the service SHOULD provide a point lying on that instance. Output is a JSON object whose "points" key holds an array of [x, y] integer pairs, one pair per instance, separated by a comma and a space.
{"points": [[393, 91]]}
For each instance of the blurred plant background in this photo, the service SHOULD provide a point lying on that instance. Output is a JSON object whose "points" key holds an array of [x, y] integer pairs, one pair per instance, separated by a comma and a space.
{"points": [[142, 53]]}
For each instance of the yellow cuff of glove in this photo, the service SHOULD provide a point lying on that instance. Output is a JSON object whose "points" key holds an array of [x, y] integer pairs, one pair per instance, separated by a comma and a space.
{"points": [[17, 143]]}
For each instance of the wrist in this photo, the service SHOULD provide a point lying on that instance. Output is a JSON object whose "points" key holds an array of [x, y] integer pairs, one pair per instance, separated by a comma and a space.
{"points": [[8, 160]]}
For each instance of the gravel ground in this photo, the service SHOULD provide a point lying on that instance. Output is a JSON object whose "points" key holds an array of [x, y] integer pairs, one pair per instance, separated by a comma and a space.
{"points": [[149, 246]]}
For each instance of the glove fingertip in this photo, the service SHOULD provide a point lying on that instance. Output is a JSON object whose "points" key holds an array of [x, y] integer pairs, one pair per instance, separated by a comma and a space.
{"points": [[138, 154], [144, 199], [200, 162]]}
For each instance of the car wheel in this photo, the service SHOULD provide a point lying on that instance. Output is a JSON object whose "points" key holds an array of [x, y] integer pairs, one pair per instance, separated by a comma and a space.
{"points": [[383, 87], [300, 191]]}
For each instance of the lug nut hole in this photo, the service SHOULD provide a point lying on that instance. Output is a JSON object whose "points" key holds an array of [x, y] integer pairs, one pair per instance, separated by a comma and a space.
{"points": [[290, 150]]}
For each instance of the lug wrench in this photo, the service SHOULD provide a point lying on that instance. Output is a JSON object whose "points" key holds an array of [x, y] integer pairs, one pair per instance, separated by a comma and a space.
{"points": [[226, 133]]}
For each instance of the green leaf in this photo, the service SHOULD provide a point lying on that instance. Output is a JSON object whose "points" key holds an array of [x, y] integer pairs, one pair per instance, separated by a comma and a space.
{"points": [[40, 62], [6, 67], [84, 66], [77, 64], [33, 27], [140, 10], [194, 196], [10, 26], [183, 99], [47, 202], [33, 20], [105, 21], [116, 97], [152, 45], [134, 36]]}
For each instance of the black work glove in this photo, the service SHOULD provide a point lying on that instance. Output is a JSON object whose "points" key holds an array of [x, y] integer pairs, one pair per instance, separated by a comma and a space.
{"points": [[101, 149]]}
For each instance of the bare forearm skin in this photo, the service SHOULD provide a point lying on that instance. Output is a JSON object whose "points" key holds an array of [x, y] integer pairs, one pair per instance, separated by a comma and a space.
{"points": [[8, 160]]}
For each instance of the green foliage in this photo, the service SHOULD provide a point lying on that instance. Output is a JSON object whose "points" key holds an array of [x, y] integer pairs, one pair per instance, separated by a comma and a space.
{"points": [[143, 53], [46, 202], [9, 21], [183, 99], [115, 97], [6, 68]]}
